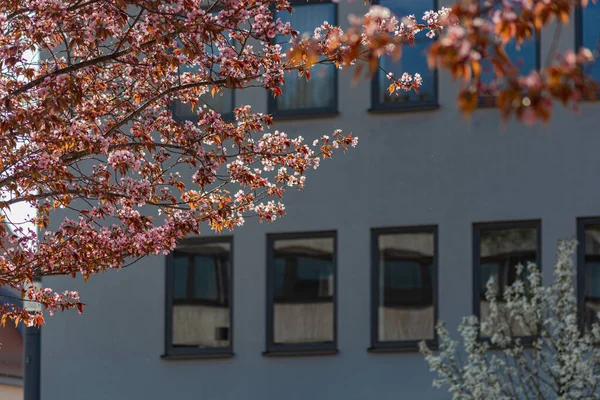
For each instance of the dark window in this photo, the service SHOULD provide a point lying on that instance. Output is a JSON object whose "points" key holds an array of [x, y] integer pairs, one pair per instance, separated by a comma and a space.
{"points": [[588, 276], [318, 94], [404, 280], [525, 57], [588, 35], [222, 102], [414, 60], [498, 249], [199, 297], [301, 292]]}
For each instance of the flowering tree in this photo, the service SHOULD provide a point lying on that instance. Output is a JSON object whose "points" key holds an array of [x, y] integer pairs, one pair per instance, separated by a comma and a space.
{"points": [[86, 124], [561, 363], [482, 28]]}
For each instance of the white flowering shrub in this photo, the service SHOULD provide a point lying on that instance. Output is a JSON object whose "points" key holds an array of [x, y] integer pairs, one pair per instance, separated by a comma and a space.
{"points": [[561, 361]]}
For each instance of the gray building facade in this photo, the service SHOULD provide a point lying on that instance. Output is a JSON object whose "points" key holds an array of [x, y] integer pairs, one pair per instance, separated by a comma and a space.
{"points": [[424, 181]]}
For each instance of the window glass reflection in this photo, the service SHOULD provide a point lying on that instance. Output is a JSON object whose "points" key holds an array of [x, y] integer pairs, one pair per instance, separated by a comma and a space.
{"points": [[591, 36], [523, 56], [413, 58], [591, 300], [303, 290], [201, 283], [320, 90], [501, 251], [405, 287]]}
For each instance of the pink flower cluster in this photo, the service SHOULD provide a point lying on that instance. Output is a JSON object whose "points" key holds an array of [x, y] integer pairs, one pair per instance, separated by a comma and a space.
{"points": [[91, 128]]}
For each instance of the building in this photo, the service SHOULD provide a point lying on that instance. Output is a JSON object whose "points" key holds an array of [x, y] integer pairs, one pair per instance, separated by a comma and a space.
{"points": [[11, 354], [11, 343], [330, 302]]}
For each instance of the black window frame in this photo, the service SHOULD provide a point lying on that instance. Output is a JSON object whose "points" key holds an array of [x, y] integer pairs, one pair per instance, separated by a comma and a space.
{"points": [[313, 112], [476, 271], [404, 345], [298, 349], [173, 352], [578, 24], [428, 105], [582, 223], [484, 102]]}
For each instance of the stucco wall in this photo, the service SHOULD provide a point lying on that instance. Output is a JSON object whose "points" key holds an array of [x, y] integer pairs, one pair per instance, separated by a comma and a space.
{"points": [[409, 169], [11, 352]]}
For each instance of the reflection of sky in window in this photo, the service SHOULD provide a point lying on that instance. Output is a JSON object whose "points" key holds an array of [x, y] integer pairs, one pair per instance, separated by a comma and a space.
{"points": [[413, 59], [590, 22], [205, 278], [403, 275], [319, 91], [523, 57]]}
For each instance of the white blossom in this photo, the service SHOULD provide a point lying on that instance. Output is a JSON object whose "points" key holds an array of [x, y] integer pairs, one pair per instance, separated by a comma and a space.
{"points": [[561, 362]]}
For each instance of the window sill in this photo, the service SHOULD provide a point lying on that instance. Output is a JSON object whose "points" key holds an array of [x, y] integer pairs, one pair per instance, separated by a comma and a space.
{"points": [[526, 342], [198, 356], [300, 353], [587, 99], [400, 348], [403, 108], [300, 115], [486, 103]]}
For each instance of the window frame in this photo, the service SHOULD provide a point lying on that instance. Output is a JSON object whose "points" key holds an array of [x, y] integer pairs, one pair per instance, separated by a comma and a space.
{"points": [[476, 269], [172, 352], [403, 345], [582, 222], [578, 24], [382, 107], [313, 112], [300, 349]]}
